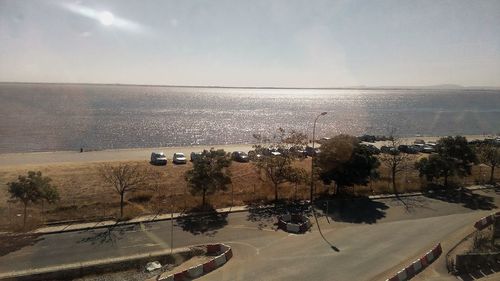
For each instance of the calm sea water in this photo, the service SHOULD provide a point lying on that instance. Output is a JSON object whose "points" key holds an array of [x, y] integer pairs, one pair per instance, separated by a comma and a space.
{"points": [[36, 117]]}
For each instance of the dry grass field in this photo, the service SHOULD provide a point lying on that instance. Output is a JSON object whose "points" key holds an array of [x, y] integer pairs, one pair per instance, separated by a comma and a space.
{"points": [[86, 197]]}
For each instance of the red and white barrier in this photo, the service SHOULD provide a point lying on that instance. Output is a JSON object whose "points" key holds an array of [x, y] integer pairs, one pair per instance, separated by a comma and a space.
{"points": [[285, 223], [220, 260], [485, 222], [195, 271], [226, 253], [166, 278], [418, 265], [292, 227]]}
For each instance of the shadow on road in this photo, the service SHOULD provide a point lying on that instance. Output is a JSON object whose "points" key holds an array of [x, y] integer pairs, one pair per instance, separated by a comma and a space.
{"points": [[352, 210], [15, 242], [466, 197], [265, 215], [106, 235], [207, 223]]}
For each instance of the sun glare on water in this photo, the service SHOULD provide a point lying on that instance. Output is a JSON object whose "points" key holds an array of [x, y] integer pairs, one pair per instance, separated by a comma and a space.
{"points": [[106, 18]]}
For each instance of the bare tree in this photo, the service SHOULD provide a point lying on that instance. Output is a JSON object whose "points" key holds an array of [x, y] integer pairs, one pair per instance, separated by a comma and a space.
{"points": [[395, 160], [489, 154], [277, 153], [123, 178]]}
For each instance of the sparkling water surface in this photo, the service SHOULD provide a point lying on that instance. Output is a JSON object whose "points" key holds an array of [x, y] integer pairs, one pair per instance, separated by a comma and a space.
{"points": [[48, 117]]}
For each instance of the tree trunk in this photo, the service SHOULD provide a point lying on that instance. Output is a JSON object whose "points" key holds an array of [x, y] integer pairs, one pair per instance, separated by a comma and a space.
{"points": [[394, 180], [492, 172], [203, 199], [121, 204], [25, 214], [275, 192], [446, 181]]}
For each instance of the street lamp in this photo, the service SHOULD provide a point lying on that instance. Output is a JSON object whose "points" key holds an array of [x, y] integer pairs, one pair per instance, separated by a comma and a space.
{"points": [[313, 153]]}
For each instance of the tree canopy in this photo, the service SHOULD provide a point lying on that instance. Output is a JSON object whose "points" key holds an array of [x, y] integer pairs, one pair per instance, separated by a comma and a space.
{"points": [[454, 157], [209, 173], [346, 162], [31, 189], [489, 154]]}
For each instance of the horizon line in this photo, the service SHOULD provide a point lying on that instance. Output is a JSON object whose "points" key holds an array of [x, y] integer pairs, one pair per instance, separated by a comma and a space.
{"points": [[438, 86]]}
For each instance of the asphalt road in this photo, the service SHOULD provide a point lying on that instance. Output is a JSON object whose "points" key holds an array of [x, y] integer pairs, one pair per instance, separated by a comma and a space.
{"points": [[368, 238]]}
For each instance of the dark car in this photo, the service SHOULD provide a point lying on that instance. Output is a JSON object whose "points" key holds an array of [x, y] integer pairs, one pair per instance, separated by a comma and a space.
{"points": [[388, 149], [195, 155], [373, 149], [407, 149], [240, 156], [311, 152], [298, 151], [158, 158]]}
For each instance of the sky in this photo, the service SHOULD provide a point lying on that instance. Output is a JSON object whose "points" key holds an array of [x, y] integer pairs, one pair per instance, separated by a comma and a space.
{"points": [[257, 43]]}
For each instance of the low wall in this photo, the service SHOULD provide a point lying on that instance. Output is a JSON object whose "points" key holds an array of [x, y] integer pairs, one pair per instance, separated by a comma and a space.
{"points": [[417, 266], [471, 262], [222, 252], [460, 263]]}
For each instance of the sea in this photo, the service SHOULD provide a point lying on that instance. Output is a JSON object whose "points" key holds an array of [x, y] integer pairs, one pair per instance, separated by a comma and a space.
{"points": [[52, 117]]}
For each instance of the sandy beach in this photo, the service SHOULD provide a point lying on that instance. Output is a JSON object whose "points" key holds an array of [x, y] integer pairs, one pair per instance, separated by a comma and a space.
{"points": [[9, 160], [61, 157]]}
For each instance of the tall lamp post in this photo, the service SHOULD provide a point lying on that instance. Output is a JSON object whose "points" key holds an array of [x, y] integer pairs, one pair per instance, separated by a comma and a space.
{"points": [[313, 153]]}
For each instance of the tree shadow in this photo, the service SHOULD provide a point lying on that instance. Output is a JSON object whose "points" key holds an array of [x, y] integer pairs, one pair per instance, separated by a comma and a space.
{"points": [[410, 203], [15, 242], [265, 215], [351, 209], [107, 235], [207, 222], [463, 196]]}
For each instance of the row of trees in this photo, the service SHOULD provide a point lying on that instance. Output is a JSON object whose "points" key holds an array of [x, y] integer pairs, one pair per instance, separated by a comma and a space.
{"points": [[343, 160]]}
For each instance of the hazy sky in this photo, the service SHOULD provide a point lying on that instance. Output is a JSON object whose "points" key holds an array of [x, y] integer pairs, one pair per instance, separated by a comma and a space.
{"points": [[252, 43]]}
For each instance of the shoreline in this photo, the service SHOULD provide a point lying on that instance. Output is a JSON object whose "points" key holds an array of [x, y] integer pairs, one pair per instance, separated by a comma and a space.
{"points": [[13, 159]]}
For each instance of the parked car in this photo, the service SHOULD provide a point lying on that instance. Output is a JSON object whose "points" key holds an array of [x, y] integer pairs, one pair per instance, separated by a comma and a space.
{"points": [[158, 158], [195, 155], [240, 156], [388, 149], [373, 149], [298, 151], [418, 147], [310, 152], [179, 158], [428, 149], [407, 149]]}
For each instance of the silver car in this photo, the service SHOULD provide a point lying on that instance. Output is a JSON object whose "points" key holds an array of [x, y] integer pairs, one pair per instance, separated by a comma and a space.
{"points": [[179, 158]]}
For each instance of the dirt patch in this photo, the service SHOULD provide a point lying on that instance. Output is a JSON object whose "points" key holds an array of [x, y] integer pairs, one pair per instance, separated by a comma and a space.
{"points": [[85, 197]]}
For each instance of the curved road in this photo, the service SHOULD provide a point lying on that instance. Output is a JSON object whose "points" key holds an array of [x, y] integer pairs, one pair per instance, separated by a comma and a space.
{"points": [[362, 251]]}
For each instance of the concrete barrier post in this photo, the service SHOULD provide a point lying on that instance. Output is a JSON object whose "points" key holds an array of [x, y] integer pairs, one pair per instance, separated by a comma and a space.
{"points": [[195, 271], [220, 260]]}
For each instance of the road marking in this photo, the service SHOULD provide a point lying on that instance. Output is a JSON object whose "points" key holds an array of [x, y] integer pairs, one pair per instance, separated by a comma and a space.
{"points": [[257, 250], [254, 228], [140, 245]]}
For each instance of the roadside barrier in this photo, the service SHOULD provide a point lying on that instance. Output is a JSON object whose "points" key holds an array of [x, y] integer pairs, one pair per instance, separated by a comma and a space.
{"points": [[417, 266], [223, 252], [301, 225], [479, 225], [486, 221]]}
